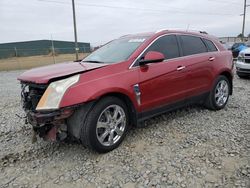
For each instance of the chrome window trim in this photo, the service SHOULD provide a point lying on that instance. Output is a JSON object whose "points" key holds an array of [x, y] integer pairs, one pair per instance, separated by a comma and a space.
{"points": [[132, 64]]}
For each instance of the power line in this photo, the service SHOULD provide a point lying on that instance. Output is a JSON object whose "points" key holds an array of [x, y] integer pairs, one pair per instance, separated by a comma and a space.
{"points": [[176, 11], [224, 2]]}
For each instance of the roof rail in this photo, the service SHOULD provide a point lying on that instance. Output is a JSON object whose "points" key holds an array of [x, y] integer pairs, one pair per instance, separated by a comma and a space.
{"points": [[125, 35], [197, 31], [202, 32], [160, 30]]}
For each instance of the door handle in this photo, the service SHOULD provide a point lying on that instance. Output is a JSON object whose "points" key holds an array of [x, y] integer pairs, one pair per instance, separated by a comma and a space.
{"points": [[211, 59], [179, 68]]}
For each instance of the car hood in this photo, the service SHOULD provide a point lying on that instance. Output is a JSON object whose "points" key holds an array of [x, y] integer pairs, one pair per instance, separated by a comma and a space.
{"points": [[42, 75], [246, 51]]}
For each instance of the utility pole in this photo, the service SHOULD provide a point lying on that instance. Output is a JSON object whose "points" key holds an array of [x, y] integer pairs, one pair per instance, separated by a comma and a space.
{"points": [[75, 31], [53, 49], [188, 27], [244, 20], [15, 52]]}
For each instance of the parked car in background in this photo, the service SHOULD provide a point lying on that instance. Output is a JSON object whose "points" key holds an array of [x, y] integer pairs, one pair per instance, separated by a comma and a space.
{"points": [[243, 64], [227, 45], [125, 82], [248, 44], [237, 47]]}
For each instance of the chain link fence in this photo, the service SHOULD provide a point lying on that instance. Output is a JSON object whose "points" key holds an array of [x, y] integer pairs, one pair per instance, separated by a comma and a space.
{"points": [[29, 54], [41, 47], [233, 39], [27, 62]]}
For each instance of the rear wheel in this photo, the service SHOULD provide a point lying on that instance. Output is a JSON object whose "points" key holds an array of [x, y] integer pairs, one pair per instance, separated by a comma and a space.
{"points": [[219, 95], [106, 125]]}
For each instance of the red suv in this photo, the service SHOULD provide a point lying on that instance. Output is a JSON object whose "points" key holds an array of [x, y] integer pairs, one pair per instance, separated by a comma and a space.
{"points": [[125, 82]]}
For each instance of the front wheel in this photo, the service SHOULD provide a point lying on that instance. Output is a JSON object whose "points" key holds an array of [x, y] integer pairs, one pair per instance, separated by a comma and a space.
{"points": [[106, 125], [219, 95]]}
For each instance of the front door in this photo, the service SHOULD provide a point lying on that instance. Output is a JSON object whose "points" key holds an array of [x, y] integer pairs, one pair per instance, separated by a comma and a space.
{"points": [[164, 82]]}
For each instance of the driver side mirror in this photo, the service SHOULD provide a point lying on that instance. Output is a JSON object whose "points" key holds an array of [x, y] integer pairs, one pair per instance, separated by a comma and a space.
{"points": [[152, 57]]}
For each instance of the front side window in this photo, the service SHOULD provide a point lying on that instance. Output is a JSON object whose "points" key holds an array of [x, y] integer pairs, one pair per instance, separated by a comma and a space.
{"points": [[167, 45], [192, 45], [115, 51]]}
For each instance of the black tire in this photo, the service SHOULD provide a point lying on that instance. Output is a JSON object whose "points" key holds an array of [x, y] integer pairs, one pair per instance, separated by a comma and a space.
{"points": [[88, 135], [210, 102]]}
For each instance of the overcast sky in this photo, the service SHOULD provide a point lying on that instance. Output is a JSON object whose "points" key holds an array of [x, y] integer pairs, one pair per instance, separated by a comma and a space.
{"points": [[100, 21]]}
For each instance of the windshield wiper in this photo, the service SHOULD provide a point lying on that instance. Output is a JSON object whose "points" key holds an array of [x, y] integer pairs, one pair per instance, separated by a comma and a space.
{"points": [[92, 61]]}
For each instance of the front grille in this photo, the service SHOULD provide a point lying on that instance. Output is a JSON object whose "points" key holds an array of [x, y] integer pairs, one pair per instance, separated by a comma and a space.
{"points": [[243, 70], [31, 94], [247, 60], [247, 55]]}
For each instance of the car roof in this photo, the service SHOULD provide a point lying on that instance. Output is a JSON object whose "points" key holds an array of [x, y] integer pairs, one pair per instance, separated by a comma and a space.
{"points": [[148, 34], [165, 31]]}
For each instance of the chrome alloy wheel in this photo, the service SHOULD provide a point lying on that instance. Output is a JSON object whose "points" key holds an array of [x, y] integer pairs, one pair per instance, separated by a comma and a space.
{"points": [[221, 92], [111, 125]]}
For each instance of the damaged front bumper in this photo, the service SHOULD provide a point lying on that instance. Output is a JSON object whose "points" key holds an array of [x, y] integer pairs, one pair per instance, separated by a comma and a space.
{"points": [[50, 125]]}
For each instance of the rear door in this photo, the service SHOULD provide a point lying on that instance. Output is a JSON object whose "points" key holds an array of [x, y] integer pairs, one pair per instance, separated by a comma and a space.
{"points": [[198, 64], [163, 82]]}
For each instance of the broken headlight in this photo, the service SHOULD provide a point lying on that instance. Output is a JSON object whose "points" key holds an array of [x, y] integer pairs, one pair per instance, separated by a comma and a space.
{"points": [[53, 95]]}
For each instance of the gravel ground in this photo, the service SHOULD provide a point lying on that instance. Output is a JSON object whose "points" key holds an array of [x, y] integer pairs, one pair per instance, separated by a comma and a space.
{"points": [[191, 147]]}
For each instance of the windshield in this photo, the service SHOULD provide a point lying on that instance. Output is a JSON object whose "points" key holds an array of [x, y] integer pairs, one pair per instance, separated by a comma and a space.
{"points": [[115, 51]]}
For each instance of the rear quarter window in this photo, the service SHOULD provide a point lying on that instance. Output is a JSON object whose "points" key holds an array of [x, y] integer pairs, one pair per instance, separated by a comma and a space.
{"points": [[210, 45], [192, 45]]}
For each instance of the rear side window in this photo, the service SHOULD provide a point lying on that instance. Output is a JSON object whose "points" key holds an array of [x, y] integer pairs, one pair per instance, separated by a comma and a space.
{"points": [[192, 45], [210, 45], [166, 45]]}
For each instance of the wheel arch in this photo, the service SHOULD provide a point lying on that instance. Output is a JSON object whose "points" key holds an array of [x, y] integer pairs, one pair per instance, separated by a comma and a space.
{"points": [[128, 102], [229, 76], [81, 114]]}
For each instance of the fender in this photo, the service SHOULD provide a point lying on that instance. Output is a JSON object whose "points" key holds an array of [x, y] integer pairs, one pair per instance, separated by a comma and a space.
{"points": [[85, 92], [228, 73]]}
